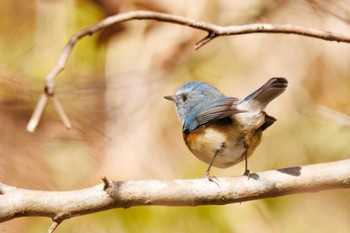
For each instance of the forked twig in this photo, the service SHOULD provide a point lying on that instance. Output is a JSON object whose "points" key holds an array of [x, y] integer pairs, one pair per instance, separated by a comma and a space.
{"points": [[213, 31]]}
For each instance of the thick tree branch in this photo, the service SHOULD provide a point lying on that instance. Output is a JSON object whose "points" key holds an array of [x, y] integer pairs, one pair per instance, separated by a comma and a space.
{"points": [[16, 202], [212, 30]]}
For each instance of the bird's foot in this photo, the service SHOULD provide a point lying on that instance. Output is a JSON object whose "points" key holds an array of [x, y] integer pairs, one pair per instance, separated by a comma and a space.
{"points": [[247, 173], [211, 178]]}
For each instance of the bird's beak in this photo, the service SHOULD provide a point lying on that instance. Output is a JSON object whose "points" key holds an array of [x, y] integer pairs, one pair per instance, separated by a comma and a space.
{"points": [[170, 97]]}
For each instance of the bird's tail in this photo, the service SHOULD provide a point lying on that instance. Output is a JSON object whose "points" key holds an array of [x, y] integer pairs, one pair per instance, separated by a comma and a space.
{"points": [[270, 90]]}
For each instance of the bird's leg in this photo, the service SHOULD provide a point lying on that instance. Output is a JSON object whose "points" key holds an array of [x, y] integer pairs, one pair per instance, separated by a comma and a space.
{"points": [[206, 174], [246, 171]]}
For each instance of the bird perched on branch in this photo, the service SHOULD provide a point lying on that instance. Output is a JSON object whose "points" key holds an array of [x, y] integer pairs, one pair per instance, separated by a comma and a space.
{"points": [[222, 131]]}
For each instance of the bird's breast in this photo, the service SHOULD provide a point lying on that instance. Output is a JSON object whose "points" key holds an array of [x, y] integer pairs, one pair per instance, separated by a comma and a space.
{"points": [[228, 140]]}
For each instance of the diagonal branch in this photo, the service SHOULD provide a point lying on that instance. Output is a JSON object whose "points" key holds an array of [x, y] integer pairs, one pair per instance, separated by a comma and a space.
{"points": [[59, 206], [212, 30]]}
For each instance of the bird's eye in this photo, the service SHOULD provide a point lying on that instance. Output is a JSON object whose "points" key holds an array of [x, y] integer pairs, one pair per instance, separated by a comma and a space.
{"points": [[184, 97]]}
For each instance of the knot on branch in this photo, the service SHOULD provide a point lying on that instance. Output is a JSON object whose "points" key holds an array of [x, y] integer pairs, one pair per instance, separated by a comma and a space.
{"points": [[111, 187], [106, 182], [48, 92]]}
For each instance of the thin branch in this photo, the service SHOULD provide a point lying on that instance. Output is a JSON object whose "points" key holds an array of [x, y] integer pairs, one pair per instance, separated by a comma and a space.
{"points": [[40, 107], [59, 206], [38, 112], [61, 112], [212, 30], [339, 117], [205, 40], [53, 226]]}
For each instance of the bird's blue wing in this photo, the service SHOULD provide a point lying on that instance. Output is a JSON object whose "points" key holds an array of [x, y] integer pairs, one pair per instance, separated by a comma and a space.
{"points": [[208, 113]]}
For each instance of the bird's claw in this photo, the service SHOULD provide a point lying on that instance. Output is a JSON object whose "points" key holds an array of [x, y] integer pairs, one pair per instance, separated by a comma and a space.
{"points": [[247, 173], [211, 178]]}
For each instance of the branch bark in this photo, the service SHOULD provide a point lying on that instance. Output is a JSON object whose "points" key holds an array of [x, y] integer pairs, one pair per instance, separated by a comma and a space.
{"points": [[16, 202], [212, 30]]}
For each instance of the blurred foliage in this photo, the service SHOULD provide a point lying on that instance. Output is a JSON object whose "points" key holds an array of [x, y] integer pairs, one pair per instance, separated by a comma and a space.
{"points": [[112, 90]]}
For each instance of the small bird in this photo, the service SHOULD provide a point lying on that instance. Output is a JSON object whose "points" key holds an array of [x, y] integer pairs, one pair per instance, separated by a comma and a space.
{"points": [[223, 131]]}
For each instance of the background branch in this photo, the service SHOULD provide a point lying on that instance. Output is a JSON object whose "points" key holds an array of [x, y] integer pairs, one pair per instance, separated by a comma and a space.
{"points": [[15, 202], [212, 29]]}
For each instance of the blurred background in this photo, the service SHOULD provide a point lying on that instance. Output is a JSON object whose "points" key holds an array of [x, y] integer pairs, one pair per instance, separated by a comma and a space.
{"points": [[112, 90]]}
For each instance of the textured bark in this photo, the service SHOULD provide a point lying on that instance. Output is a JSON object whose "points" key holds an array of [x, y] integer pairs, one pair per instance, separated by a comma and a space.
{"points": [[16, 202]]}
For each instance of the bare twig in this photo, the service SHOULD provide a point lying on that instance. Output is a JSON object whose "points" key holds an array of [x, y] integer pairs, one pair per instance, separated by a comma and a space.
{"points": [[59, 206], [61, 112], [339, 117], [38, 112], [53, 226], [40, 107], [205, 40], [212, 29]]}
